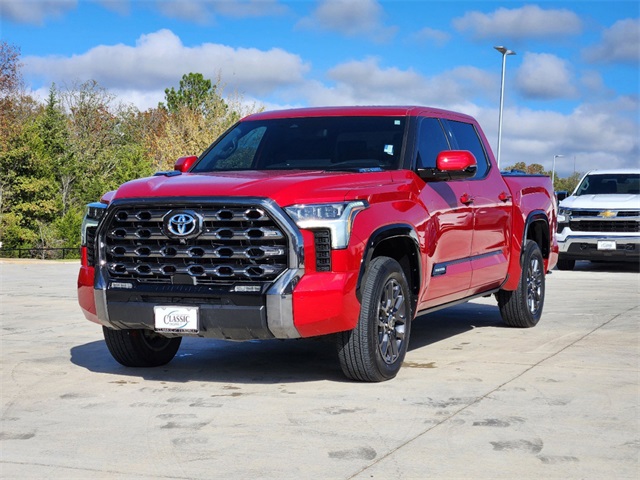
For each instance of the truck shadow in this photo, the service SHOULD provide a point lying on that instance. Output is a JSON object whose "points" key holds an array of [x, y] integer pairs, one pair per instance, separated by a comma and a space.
{"points": [[276, 361], [630, 266], [449, 322]]}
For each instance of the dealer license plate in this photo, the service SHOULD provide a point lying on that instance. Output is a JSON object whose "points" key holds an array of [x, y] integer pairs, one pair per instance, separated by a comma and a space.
{"points": [[176, 319], [606, 245]]}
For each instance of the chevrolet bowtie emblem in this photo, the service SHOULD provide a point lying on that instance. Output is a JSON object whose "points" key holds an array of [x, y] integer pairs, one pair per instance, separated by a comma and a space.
{"points": [[607, 214]]}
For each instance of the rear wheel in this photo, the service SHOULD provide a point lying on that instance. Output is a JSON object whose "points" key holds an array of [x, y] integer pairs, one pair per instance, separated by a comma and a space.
{"points": [[140, 348], [374, 350], [523, 307]]}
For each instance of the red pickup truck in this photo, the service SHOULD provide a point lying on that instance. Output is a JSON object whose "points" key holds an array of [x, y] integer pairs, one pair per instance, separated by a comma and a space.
{"points": [[344, 221]]}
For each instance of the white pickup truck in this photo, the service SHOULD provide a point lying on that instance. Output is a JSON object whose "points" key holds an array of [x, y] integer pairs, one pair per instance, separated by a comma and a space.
{"points": [[601, 219]]}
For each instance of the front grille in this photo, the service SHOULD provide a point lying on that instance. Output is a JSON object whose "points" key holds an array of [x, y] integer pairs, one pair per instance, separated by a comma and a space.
{"points": [[237, 243], [629, 213], [607, 226]]}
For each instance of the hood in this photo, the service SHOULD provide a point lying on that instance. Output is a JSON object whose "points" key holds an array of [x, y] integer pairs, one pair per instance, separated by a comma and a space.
{"points": [[284, 187], [611, 201]]}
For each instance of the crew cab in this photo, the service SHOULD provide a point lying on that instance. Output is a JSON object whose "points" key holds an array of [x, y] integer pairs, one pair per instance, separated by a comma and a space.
{"points": [[600, 220], [340, 221]]}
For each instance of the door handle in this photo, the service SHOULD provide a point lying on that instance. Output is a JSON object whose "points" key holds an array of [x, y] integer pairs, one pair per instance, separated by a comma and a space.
{"points": [[466, 199], [504, 197]]}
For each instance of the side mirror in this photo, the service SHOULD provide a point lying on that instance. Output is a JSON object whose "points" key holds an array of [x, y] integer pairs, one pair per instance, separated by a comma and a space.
{"points": [[183, 164], [451, 165]]}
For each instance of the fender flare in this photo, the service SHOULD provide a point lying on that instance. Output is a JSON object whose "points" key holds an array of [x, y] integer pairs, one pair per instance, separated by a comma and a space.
{"points": [[533, 217], [382, 234]]}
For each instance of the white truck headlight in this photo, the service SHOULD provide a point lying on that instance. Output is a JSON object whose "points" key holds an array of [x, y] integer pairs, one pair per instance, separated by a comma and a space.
{"points": [[564, 215], [337, 217], [92, 215]]}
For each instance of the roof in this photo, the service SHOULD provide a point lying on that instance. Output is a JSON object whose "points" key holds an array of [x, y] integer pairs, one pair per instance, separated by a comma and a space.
{"points": [[614, 171], [358, 111]]}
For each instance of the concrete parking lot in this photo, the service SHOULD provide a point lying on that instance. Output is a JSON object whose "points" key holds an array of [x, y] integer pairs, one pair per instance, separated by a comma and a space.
{"points": [[474, 399]]}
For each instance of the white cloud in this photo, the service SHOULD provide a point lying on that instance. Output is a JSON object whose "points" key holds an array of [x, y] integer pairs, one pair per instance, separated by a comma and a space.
{"points": [[596, 135], [428, 34], [594, 86], [351, 18], [122, 7], [529, 21], [159, 59], [34, 12], [188, 10], [545, 76], [365, 82], [248, 8], [620, 43], [203, 11]]}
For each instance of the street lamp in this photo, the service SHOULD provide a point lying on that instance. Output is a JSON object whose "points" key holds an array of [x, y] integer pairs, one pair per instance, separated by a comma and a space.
{"points": [[553, 170], [504, 51]]}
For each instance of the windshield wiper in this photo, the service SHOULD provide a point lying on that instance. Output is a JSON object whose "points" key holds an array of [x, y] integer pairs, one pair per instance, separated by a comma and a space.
{"points": [[354, 169]]}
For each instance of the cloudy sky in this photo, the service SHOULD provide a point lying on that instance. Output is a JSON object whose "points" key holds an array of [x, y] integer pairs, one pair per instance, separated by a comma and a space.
{"points": [[572, 88]]}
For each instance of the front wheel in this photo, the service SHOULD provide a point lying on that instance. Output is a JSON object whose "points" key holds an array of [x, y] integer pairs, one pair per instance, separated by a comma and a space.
{"points": [[374, 350], [523, 306], [140, 348]]}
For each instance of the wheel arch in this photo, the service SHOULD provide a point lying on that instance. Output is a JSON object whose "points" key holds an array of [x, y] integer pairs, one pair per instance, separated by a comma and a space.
{"points": [[537, 229], [400, 242]]}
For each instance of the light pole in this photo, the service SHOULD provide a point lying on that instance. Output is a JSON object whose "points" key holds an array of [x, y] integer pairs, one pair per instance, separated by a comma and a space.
{"points": [[553, 170], [504, 51]]}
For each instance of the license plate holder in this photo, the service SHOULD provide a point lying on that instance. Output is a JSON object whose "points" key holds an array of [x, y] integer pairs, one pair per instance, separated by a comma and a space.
{"points": [[606, 244], [176, 319]]}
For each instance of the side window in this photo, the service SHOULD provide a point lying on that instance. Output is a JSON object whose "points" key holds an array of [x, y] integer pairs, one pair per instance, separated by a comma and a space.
{"points": [[431, 141], [467, 139]]}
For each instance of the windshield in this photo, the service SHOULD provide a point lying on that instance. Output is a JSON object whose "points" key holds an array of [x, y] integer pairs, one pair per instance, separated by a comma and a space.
{"points": [[316, 143], [612, 183]]}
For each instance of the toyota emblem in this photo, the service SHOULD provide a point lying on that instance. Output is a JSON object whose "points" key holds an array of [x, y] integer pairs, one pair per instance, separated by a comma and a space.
{"points": [[182, 224]]}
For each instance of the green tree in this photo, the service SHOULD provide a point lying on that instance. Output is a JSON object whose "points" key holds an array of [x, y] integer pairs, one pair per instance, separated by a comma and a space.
{"points": [[569, 183], [532, 169], [196, 93], [33, 200]]}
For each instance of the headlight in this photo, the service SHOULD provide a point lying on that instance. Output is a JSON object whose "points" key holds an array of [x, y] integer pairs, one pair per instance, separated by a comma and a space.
{"points": [[92, 215], [337, 217], [564, 215]]}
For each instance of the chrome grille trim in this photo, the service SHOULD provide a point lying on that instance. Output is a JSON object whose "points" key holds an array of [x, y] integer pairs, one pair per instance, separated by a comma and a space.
{"points": [[248, 239]]}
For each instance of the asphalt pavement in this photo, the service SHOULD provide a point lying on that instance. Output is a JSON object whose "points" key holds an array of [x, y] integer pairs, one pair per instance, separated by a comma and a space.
{"points": [[474, 399]]}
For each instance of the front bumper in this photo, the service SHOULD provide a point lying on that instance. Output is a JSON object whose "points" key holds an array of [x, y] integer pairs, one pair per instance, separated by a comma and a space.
{"points": [[313, 304], [576, 246]]}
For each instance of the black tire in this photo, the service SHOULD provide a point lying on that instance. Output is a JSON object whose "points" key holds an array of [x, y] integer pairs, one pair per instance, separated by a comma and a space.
{"points": [[140, 348], [374, 350], [522, 307], [566, 263]]}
